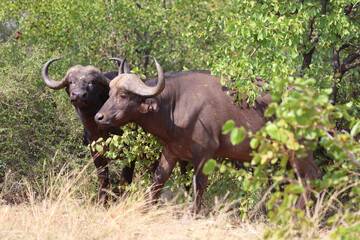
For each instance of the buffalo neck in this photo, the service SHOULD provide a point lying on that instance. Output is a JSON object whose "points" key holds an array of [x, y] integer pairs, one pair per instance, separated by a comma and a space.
{"points": [[86, 116], [159, 123]]}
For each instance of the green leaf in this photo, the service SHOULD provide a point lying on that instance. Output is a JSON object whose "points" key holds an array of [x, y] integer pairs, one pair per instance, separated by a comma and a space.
{"points": [[99, 148], [333, 219], [273, 131], [337, 75], [327, 91], [117, 138], [271, 109], [355, 129], [322, 99], [302, 118], [337, 115], [254, 143], [237, 135], [276, 96], [292, 145], [209, 166], [294, 188], [228, 127], [246, 184], [256, 159]]}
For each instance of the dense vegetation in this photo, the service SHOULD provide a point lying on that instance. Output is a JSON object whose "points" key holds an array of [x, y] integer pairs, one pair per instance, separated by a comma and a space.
{"points": [[313, 46]]}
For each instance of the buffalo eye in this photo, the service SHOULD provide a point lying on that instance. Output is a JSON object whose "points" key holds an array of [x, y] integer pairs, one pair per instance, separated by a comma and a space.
{"points": [[121, 97]]}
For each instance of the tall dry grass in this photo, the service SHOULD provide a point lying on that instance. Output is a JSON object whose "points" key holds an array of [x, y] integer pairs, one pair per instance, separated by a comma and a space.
{"points": [[64, 211], [61, 205]]}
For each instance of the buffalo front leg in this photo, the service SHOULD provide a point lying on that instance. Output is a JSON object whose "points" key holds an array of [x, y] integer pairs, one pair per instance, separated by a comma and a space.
{"points": [[161, 175], [126, 176], [103, 178]]}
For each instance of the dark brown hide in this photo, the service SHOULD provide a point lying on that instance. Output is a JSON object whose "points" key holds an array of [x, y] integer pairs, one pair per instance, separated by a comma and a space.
{"points": [[187, 117], [88, 90]]}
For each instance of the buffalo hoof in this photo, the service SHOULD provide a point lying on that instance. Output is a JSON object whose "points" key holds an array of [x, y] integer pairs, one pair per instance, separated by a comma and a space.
{"points": [[194, 210]]}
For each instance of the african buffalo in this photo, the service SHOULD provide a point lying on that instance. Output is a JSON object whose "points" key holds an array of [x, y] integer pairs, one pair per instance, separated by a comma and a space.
{"points": [[88, 89], [186, 111]]}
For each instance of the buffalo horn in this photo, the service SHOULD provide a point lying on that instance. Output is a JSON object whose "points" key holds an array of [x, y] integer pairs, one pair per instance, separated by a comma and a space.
{"points": [[48, 81], [134, 84], [123, 66]]}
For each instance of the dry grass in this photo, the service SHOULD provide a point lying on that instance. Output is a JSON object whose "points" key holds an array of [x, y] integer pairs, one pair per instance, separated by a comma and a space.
{"points": [[72, 220], [66, 214], [63, 209]]}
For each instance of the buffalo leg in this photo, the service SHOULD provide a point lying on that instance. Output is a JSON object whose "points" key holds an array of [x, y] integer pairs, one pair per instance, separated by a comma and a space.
{"points": [[199, 187], [183, 171], [103, 178], [200, 157], [161, 175], [126, 176]]}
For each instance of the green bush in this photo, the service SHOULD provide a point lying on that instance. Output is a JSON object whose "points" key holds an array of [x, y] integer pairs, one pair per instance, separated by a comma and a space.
{"points": [[38, 126]]}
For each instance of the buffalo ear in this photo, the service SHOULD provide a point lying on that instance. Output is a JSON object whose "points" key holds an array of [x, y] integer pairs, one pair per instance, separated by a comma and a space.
{"points": [[149, 105]]}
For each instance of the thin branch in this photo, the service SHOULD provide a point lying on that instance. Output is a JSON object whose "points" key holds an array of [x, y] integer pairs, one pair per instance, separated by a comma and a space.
{"points": [[10, 38], [352, 57], [307, 209], [348, 9], [352, 65], [262, 200], [254, 51], [344, 46], [341, 68], [311, 28], [315, 39], [335, 59], [111, 27], [307, 58], [323, 6]]}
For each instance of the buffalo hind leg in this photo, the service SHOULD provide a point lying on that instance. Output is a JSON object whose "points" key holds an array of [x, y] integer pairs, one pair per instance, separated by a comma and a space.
{"points": [[103, 178], [199, 187], [183, 171], [307, 169], [201, 155]]}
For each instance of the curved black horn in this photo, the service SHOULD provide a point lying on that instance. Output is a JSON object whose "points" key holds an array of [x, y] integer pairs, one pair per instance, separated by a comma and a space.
{"points": [[134, 84], [104, 80], [123, 66], [161, 80], [48, 81]]}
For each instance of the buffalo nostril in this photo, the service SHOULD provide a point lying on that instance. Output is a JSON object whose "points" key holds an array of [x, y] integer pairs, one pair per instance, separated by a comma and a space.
{"points": [[79, 94], [99, 117]]}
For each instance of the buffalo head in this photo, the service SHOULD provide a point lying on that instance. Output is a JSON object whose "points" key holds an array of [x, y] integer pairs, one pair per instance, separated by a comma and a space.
{"points": [[84, 84], [129, 97]]}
